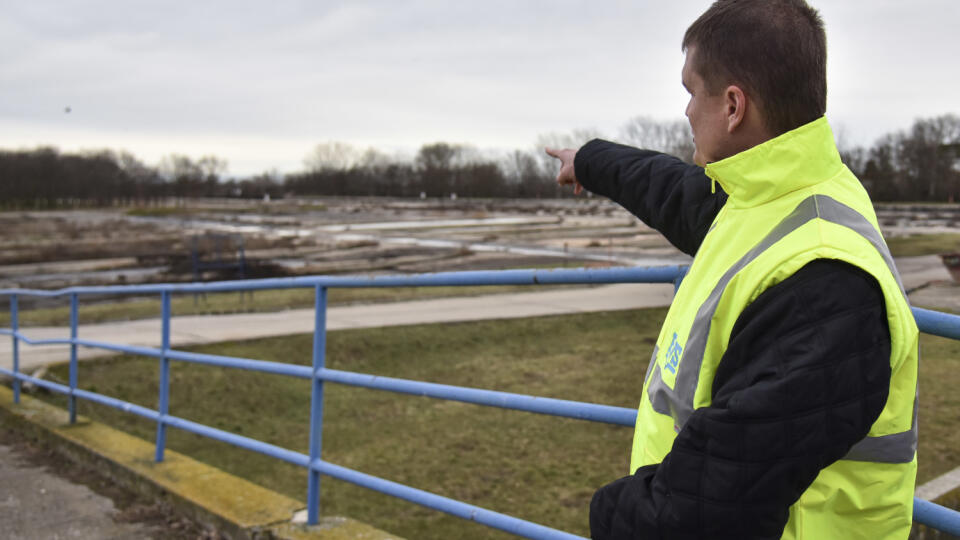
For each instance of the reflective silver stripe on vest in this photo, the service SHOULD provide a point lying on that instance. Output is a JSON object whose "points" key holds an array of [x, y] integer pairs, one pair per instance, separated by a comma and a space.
{"points": [[893, 448], [653, 362], [678, 402], [836, 212]]}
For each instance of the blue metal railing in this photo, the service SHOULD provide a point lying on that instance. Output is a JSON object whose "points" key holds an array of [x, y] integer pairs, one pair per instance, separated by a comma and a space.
{"points": [[932, 322]]}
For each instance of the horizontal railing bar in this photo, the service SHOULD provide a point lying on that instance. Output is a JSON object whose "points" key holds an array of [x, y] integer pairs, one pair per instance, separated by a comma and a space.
{"points": [[91, 396], [49, 385], [486, 517], [28, 341], [129, 349], [634, 274], [489, 518], [556, 407], [124, 406], [925, 512], [928, 321], [276, 368], [271, 450], [268, 449], [937, 323], [53, 341], [936, 516]]}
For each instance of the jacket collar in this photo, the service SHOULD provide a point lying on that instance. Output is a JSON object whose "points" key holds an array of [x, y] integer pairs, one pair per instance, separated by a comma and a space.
{"points": [[794, 160]]}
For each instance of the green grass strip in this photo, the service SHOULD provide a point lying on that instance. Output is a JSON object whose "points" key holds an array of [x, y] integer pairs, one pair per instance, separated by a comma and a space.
{"points": [[924, 244]]}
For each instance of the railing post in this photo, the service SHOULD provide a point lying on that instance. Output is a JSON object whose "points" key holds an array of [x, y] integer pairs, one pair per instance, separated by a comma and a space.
{"points": [[679, 279], [163, 407], [73, 358], [316, 403], [15, 326]]}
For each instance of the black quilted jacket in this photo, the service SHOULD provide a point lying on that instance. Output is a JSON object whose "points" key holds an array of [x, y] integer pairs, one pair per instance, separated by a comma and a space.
{"points": [[809, 353]]}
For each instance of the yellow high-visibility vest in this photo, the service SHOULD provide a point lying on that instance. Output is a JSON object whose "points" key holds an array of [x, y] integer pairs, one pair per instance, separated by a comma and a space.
{"points": [[791, 201]]}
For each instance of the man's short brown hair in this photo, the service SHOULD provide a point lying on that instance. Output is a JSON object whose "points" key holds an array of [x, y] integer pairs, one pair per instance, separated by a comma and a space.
{"points": [[776, 50]]}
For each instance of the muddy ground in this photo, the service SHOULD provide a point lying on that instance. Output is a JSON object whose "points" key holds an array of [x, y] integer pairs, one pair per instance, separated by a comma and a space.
{"points": [[212, 239], [171, 243]]}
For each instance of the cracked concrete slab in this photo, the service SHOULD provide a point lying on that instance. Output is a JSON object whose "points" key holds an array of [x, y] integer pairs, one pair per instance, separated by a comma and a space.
{"points": [[36, 504]]}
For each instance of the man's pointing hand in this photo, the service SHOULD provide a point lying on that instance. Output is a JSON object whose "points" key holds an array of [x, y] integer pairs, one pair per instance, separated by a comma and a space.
{"points": [[566, 175]]}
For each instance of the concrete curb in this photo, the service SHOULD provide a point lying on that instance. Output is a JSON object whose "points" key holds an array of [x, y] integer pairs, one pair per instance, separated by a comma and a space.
{"points": [[233, 506], [941, 487]]}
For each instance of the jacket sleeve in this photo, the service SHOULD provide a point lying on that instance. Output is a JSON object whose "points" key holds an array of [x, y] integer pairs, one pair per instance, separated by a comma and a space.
{"points": [[805, 375], [666, 193]]}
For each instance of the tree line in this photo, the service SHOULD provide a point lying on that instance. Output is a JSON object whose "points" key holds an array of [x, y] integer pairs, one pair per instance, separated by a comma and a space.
{"points": [[45, 178], [918, 164]]}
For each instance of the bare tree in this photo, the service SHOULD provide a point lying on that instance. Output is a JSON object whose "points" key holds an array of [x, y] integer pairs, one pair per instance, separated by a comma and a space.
{"points": [[523, 171], [928, 156], [575, 139], [179, 166], [373, 159], [211, 167], [331, 155], [438, 156], [436, 164], [672, 137]]}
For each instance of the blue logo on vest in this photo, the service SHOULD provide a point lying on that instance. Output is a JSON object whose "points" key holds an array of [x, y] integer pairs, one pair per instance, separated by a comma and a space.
{"points": [[674, 352]]}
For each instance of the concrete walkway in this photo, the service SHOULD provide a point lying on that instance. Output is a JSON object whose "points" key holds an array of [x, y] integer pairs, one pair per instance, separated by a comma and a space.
{"points": [[198, 329], [917, 272]]}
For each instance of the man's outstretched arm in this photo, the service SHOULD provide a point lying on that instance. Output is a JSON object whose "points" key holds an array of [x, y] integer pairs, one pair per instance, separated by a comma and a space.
{"points": [[666, 193], [805, 375]]}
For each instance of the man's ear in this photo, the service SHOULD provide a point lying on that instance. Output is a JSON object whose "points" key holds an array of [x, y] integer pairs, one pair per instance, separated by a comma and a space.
{"points": [[736, 107]]}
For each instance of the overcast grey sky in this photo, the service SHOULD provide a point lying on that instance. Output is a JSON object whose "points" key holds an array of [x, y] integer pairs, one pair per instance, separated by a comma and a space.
{"points": [[260, 83]]}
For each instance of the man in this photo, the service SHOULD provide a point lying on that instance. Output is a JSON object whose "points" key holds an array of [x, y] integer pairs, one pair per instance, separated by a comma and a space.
{"points": [[780, 401]]}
